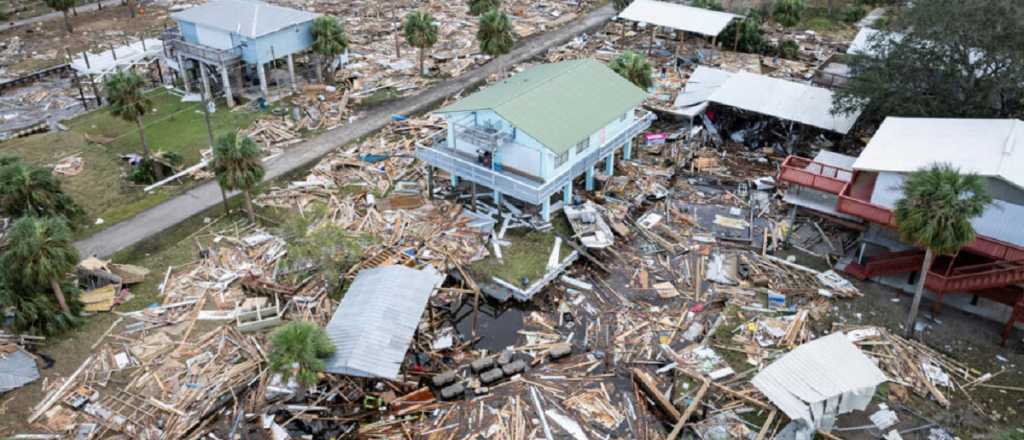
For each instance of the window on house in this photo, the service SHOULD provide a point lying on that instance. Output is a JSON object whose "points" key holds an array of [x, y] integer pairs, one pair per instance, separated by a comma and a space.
{"points": [[582, 145], [561, 159]]}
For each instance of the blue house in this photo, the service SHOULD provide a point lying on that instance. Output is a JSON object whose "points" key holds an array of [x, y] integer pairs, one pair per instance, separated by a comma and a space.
{"points": [[224, 33], [529, 136]]}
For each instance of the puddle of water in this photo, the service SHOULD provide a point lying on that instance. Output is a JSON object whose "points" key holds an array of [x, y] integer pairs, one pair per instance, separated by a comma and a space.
{"points": [[496, 326]]}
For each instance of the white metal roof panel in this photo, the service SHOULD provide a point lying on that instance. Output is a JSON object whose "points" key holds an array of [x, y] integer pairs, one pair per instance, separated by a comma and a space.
{"points": [[699, 87], [783, 99], [376, 319], [992, 223], [824, 368], [249, 18], [988, 147], [16, 370], [861, 44], [676, 16]]}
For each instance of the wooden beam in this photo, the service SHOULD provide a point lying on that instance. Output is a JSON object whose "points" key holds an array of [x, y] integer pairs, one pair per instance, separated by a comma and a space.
{"points": [[650, 387], [692, 408]]}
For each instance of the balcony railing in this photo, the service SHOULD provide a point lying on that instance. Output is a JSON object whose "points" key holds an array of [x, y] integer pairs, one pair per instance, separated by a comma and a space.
{"points": [[485, 137], [441, 155], [817, 175], [174, 42]]}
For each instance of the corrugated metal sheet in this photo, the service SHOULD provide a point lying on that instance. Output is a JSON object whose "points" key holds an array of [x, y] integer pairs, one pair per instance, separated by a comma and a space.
{"points": [[783, 99], [989, 147], [375, 322], [16, 370], [817, 375], [996, 222], [699, 87], [675, 16], [248, 18], [558, 104]]}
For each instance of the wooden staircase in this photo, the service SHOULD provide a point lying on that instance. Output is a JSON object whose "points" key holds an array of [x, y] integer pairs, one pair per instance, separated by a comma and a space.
{"points": [[978, 277], [887, 264]]}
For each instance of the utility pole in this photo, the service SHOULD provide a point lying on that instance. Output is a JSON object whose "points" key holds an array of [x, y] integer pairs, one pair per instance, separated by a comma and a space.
{"points": [[209, 133]]}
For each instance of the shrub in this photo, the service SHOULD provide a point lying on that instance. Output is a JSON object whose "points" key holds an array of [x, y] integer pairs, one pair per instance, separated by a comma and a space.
{"points": [[787, 12], [788, 49], [714, 5], [853, 13]]}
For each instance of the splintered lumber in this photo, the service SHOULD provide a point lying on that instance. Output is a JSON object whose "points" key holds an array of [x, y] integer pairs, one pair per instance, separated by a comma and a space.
{"points": [[651, 388], [584, 253], [767, 425], [59, 392], [692, 408]]}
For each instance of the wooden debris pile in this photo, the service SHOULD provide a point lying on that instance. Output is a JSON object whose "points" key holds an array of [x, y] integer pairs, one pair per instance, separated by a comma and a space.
{"points": [[155, 386]]}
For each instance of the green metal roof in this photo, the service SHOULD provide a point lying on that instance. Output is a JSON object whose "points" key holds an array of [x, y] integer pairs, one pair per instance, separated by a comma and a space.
{"points": [[557, 104]]}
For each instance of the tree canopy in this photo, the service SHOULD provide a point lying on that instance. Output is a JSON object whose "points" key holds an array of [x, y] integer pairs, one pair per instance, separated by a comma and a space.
{"points": [[635, 68], [329, 38], [480, 7], [39, 253], [937, 207], [420, 32], [787, 12], [621, 5], [28, 190], [329, 41], [942, 58], [495, 33], [127, 101], [238, 165], [63, 6], [298, 349]]}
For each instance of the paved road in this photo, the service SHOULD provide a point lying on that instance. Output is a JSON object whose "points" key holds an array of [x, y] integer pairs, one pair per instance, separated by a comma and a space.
{"points": [[164, 216], [56, 14]]}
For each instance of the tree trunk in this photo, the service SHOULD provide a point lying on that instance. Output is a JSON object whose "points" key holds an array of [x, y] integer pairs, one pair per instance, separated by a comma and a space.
{"points": [[919, 291], [55, 285], [248, 206], [398, 45], [224, 198], [829, 8], [142, 137], [131, 8], [319, 70], [145, 150], [422, 52], [67, 22]]}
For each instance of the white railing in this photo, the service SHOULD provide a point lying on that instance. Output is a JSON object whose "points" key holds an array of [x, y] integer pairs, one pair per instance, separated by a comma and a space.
{"points": [[439, 154]]}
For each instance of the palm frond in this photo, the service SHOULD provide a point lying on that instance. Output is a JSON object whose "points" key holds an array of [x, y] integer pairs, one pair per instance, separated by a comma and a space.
{"points": [[937, 207]]}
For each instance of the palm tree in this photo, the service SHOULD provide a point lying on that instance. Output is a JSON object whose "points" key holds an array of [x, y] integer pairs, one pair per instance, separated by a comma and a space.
{"points": [[635, 68], [27, 190], [480, 7], [935, 213], [420, 32], [128, 102], [238, 166], [329, 41], [495, 35], [63, 6], [299, 348], [39, 252]]}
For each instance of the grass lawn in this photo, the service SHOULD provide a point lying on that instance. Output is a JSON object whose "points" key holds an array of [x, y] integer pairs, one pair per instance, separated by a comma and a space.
{"points": [[101, 188], [526, 256]]}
